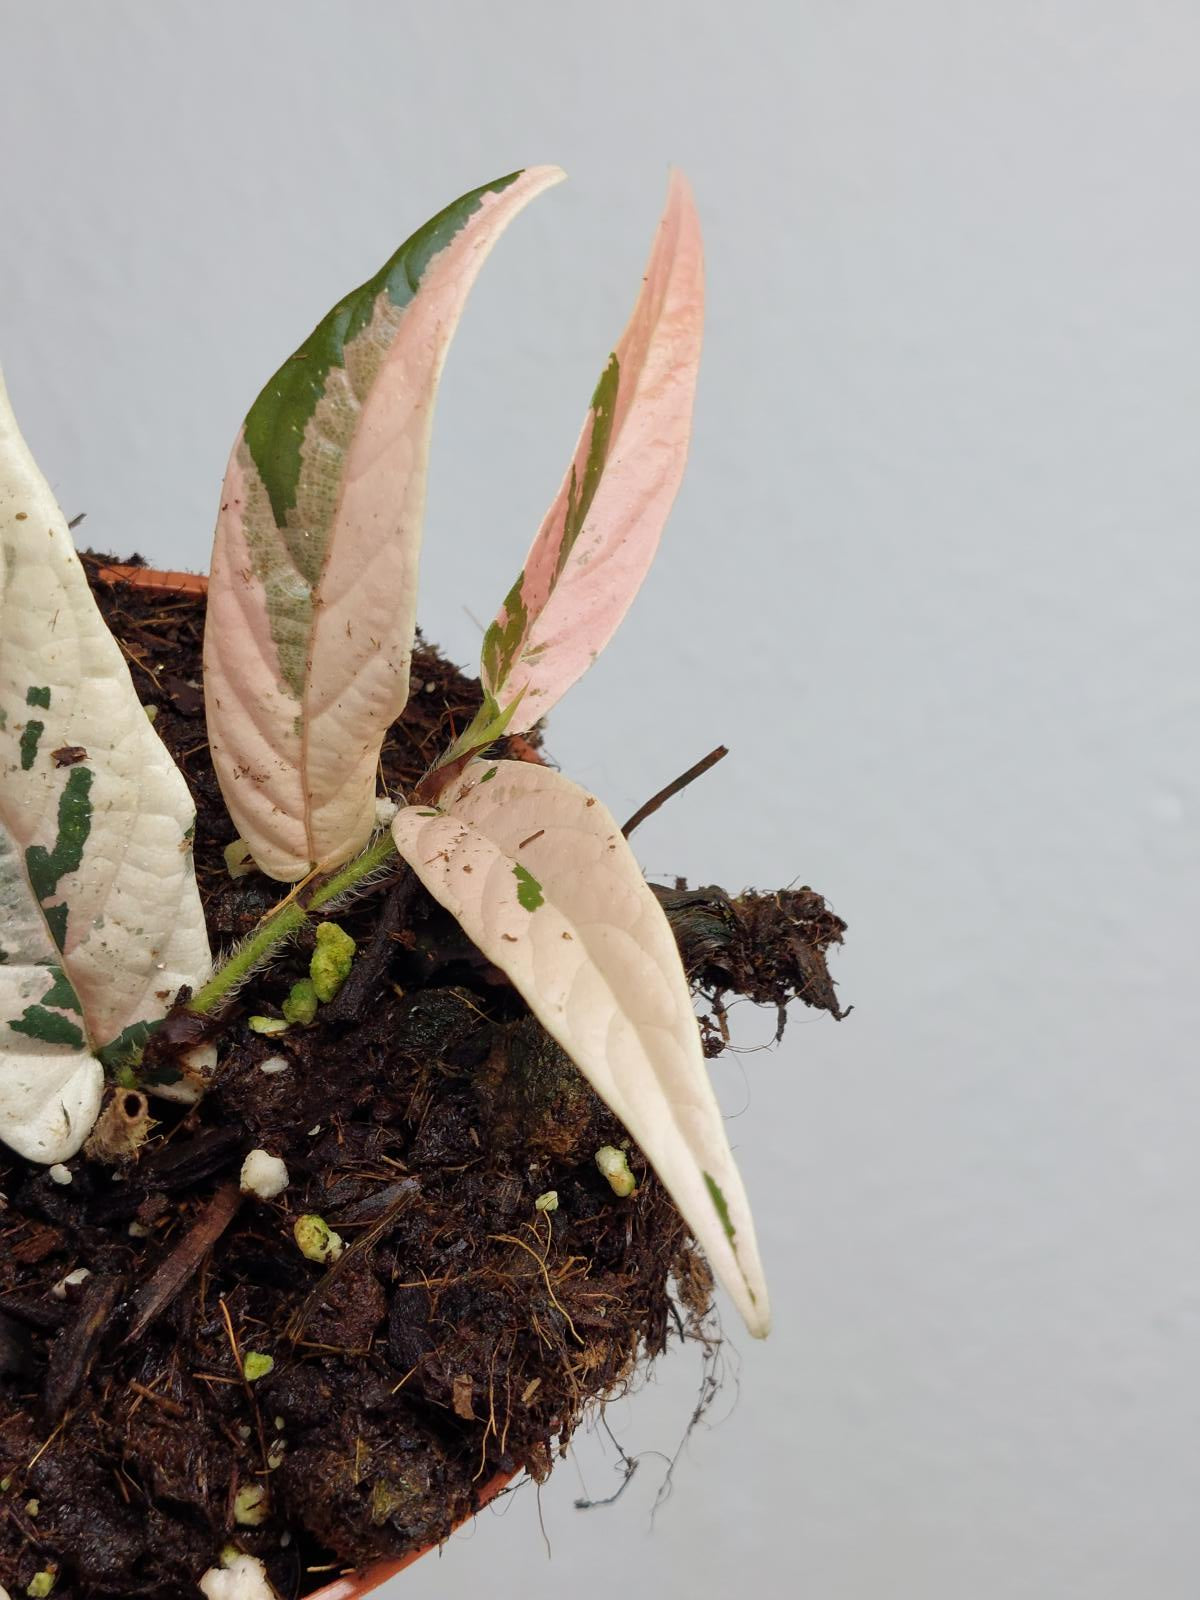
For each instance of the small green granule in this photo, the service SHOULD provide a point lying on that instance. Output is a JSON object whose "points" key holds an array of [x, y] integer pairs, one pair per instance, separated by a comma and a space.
{"points": [[331, 960], [267, 1025], [301, 1004], [614, 1164], [316, 1239], [238, 860], [250, 1505], [256, 1364]]}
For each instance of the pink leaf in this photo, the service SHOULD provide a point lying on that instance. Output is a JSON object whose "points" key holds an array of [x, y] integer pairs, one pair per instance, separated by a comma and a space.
{"points": [[598, 538], [311, 605]]}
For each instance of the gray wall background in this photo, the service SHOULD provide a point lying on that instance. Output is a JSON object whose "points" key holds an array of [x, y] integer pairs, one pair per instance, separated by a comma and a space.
{"points": [[932, 576]]}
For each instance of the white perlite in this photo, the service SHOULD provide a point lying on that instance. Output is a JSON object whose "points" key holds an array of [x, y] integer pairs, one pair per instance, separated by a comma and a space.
{"points": [[245, 1578], [72, 1279], [59, 1174], [264, 1175]]}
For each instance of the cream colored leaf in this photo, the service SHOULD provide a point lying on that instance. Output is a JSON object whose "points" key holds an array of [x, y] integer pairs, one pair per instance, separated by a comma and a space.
{"points": [[50, 1082], [97, 818], [540, 878]]}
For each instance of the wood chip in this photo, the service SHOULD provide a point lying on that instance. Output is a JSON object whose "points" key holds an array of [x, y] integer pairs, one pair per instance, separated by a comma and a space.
{"points": [[73, 1352], [153, 1298], [461, 1390]]}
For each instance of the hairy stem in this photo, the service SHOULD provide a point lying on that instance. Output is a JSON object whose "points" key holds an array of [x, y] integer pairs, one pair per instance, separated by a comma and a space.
{"points": [[285, 922]]}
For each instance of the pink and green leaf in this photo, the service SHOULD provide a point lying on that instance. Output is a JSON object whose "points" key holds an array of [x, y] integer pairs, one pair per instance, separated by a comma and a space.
{"points": [[597, 540], [312, 599]]}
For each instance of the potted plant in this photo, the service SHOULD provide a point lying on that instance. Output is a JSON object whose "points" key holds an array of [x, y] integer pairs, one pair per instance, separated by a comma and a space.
{"points": [[361, 1212]]}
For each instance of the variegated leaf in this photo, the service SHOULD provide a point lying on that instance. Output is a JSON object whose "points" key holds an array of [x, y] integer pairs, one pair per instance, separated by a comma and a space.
{"points": [[102, 920], [50, 1081], [311, 605], [598, 538], [541, 879]]}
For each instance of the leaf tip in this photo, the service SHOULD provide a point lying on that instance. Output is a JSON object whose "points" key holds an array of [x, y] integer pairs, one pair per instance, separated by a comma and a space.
{"points": [[756, 1313]]}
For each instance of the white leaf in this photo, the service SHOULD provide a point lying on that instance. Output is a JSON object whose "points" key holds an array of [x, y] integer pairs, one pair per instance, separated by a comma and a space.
{"points": [[98, 873], [50, 1083], [539, 876]]}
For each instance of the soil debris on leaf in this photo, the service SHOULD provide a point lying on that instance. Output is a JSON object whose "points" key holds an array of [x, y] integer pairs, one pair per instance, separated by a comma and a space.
{"points": [[463, 1332]]}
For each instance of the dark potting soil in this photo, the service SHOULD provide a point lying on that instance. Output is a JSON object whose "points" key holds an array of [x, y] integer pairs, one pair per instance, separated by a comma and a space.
{"points": [[463, 1333]]}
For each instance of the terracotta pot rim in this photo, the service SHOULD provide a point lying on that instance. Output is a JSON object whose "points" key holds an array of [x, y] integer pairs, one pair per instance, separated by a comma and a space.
{"points": [[154, 578], [361, 1580]]}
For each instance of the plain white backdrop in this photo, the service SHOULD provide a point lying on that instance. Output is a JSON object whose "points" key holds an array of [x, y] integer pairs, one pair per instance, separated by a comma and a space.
{"points": [[932, 576]]}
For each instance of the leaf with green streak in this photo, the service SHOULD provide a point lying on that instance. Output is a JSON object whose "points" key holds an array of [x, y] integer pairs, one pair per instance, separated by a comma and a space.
{"points": [[46, 867], [505, 638], [49, 1026], [60, 992], [56, 921], [599, 968], [599, 536], [100, 921], [50, 1082], [722, 1206], [580, 496], [279, 420], [311, 602]]}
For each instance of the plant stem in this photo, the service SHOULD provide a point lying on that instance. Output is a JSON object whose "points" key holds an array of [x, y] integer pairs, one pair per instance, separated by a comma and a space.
{"points": [[350, 877], [248, 955], [285, 922]]}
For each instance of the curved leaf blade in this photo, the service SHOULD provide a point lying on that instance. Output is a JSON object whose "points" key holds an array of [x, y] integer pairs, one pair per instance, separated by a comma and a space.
{"points": [[597, 540], [541, 879], [312, 599], [97, 819]]}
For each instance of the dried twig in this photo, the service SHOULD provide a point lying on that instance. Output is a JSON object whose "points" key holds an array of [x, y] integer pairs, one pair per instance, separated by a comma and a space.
{"points": [[156, 1295], [672, 789], [72, 1353], [370, 964]]}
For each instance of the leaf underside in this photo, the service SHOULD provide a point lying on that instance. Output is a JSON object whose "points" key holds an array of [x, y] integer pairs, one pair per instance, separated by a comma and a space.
{"points": [[540, 878]]}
